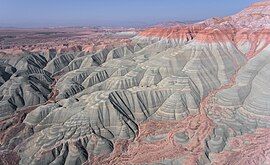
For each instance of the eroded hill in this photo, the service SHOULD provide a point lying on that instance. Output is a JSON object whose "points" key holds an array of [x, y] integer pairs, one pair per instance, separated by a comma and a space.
{"points": [[177, 94]]}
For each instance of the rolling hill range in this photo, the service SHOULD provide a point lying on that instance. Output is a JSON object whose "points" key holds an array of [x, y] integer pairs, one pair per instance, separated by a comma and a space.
{"points": [[178, 94]]}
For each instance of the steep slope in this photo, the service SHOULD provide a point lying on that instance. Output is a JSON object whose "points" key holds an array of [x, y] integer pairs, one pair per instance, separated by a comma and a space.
{"points": [[26, 84], [244, 108], [110, 93]]}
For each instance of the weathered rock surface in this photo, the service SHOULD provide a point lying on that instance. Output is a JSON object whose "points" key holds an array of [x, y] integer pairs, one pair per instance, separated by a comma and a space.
{"points": [[26, 83], [103, 97], [6, 72], [176, 94], [247, 101]]}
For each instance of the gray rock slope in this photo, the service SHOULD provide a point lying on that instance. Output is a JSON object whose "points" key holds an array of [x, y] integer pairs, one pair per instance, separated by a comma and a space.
{"points": [[248, 101], [6, 72], [24, 84], [105, 95], [242, 107]]}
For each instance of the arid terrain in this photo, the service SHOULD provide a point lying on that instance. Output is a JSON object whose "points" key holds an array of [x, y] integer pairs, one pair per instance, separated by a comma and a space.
{"points": [[173, 94], [13, 41]]}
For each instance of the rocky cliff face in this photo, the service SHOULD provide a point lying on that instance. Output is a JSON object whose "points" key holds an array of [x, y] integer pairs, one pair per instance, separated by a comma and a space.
{"points": [[180, 94]]}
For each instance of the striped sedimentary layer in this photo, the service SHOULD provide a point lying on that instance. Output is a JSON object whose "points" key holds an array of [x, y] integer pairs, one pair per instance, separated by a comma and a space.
{"points": [[168, 96], [104, 96]]}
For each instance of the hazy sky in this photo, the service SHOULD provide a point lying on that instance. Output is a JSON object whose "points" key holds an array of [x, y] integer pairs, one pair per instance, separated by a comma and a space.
{"points": [[44, 13]]}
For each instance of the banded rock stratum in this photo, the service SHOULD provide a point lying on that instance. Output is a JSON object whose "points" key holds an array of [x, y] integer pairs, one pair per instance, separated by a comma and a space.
{"points": [[177, 94]]}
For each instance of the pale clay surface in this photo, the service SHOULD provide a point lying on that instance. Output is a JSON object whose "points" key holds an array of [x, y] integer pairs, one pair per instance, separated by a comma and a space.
{"points": [[183, 94]]}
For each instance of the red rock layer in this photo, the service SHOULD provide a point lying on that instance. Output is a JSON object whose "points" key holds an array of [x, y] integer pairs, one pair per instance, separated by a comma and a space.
{"points": [[249, 149], [259, 39], [251, 25], [199, 32], [210, 35], [197, 127], [175, 32]]}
